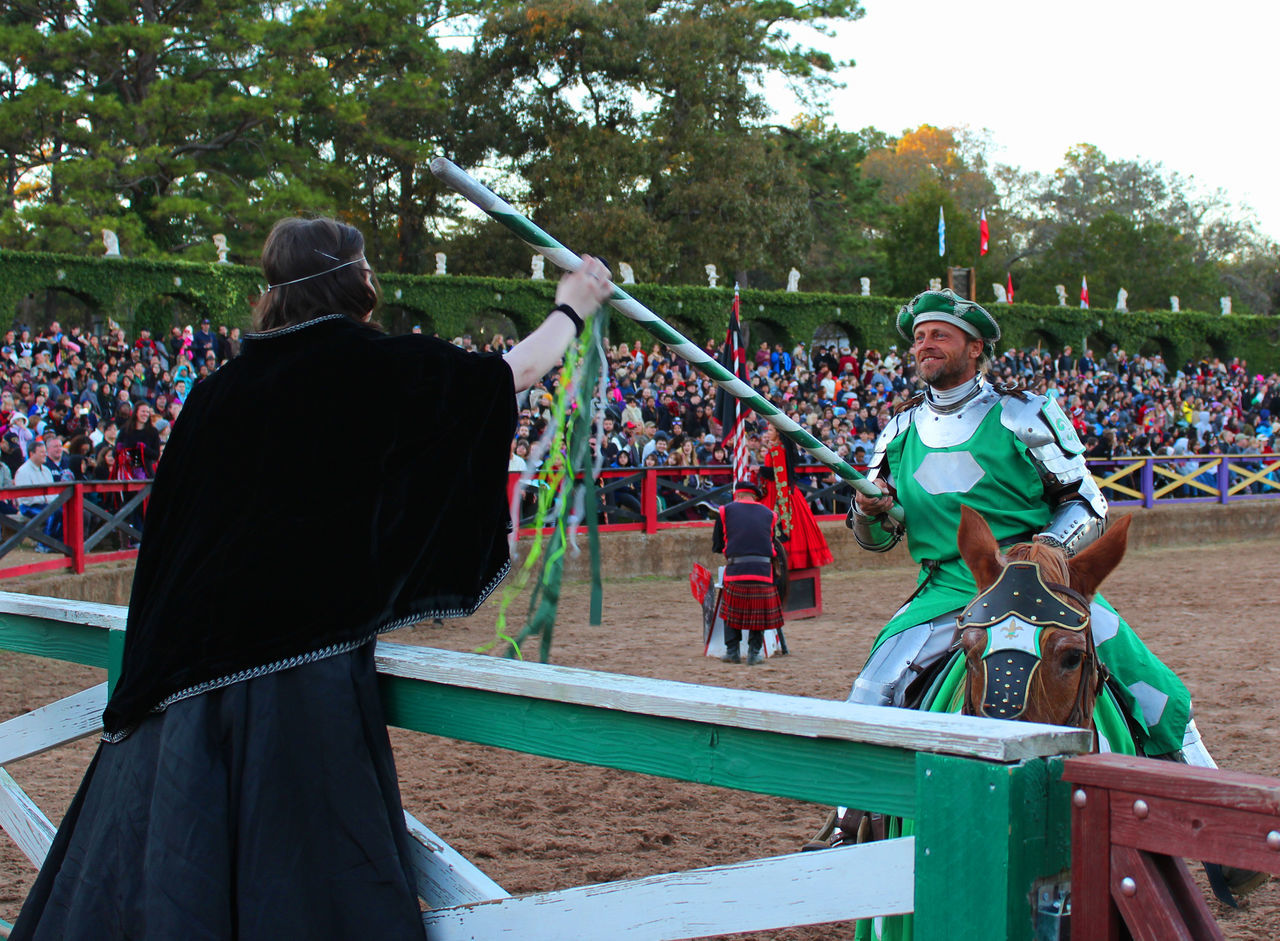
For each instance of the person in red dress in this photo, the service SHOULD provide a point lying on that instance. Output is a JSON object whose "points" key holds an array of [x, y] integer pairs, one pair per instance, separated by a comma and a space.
{"points": [[806, 546]]}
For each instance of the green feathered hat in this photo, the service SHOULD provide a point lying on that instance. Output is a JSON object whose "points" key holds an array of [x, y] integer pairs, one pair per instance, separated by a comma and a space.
{"points": [[948, 306]]}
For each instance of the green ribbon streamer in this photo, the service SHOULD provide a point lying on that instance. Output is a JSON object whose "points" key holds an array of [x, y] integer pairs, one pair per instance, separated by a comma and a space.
{"points": [[570, 450]]}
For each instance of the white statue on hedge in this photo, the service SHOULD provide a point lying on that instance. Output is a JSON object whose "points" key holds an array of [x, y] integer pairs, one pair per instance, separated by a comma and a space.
{"points": [[112, 243], [1002, 296], [220, 243], [1175, 305], [538, 266], [1122, 301], [1061, 291], [1225, 304], [441, 263], [628, 275], [865, 285], [712, 277], [793, 280]]}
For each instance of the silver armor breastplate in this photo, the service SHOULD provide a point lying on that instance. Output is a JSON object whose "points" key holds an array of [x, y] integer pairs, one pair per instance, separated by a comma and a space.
{"points": [[941, 427]]}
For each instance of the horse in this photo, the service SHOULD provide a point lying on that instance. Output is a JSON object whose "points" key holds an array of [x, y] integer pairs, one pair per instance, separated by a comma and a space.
{"points": [[1028, 654], [1028, 650], [1024, 641]]}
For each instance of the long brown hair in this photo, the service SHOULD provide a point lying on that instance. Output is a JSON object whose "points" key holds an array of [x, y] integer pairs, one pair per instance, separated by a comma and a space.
{"points": [[303, 248]]}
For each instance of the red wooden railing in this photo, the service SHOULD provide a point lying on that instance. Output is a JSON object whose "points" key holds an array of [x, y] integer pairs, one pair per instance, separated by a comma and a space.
{"points": [[664, 502], [1134, 820], [91, 512]]}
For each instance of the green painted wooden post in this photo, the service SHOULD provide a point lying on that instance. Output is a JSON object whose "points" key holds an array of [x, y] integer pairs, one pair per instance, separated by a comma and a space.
{"points": [[985, 833]]}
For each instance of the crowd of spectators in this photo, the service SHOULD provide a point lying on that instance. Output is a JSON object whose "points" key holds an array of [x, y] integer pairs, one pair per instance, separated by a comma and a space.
{"points": [[662, 412], [91, 398], [77, 405], [88, 399]]}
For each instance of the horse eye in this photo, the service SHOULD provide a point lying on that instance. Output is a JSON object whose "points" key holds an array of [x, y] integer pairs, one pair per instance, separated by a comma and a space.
{"points": [[1071, 659]]}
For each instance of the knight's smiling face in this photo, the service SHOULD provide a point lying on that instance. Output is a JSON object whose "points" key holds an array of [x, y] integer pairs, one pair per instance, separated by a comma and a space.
{"points": [[945, 355]]}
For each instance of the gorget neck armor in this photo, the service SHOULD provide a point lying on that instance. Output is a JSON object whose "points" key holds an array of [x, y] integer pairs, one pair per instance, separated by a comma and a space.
{"points": [[949, 400], [948, 418]]}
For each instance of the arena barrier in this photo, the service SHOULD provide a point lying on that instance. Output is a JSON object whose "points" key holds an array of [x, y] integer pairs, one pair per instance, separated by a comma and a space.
{"points": [[991, 811], [649, 499], [93, 513], [1133, 819]]}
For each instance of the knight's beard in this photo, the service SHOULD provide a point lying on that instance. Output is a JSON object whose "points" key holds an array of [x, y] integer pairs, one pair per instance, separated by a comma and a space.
{"points": [[946, 373]]}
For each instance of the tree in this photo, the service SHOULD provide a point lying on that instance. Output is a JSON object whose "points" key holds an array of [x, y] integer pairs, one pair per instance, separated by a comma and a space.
{"points": [[1130, 224], [846, 214], [123, 104], [1151, 262], [170, 123], [919, 173], [911, 243], [642, 125]]}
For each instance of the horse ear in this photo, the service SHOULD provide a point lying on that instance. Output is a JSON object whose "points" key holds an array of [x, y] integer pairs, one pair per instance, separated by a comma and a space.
{"points": [[979, 548], [1095, 563]]}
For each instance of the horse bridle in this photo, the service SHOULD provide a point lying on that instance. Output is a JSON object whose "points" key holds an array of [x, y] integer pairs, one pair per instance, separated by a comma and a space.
{"points": [[1022, 603]]}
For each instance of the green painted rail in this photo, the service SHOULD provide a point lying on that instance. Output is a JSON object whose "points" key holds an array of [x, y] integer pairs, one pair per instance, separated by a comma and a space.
{"points": [[986, 795]]}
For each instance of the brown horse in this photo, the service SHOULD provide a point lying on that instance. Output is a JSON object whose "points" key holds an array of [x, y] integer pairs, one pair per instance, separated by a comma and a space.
{"points": [[1028, 650], [1029, 653]]}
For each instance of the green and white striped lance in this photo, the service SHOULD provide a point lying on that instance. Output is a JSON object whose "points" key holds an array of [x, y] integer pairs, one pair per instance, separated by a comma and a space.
{"points": [[533, 236]]}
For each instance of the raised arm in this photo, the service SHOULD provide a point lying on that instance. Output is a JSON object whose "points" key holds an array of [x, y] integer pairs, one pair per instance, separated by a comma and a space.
{"points": [[584, 291]]}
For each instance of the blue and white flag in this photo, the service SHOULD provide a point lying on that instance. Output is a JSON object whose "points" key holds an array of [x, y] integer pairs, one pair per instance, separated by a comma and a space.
{"points": [[942, 233]]}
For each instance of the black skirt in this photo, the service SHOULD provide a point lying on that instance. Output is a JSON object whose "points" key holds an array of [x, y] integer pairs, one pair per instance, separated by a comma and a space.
{"points": [[268, 809]]}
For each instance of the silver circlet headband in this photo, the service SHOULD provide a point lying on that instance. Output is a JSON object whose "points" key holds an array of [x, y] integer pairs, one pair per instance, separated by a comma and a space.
{"points": [[345, 264]]}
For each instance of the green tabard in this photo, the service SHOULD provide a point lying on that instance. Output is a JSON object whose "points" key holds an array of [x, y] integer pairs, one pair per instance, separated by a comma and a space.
{"points": [[992, 473]]}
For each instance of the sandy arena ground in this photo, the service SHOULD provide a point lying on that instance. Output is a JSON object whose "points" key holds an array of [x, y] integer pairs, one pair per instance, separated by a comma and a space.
{"points": [[534, 824]]}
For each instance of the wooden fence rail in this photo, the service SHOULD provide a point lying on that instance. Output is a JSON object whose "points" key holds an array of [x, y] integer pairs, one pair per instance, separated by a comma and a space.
{"points": [[943, 771], [1135, 819], [92, 512], [649, 499]]}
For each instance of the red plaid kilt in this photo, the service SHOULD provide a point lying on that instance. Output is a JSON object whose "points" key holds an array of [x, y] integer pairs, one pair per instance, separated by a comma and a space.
{"points": [[751, 606]]}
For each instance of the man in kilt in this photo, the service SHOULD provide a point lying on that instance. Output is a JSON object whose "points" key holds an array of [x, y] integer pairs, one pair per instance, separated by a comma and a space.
{"points": [[749, 601]]}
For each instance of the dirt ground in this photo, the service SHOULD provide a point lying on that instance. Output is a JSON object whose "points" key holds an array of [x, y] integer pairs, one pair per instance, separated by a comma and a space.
{"points": [[534, 824]]}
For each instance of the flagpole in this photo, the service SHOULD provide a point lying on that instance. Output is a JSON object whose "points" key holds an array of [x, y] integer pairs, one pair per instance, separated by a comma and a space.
{"points": [[737, 352], [537, 239]]}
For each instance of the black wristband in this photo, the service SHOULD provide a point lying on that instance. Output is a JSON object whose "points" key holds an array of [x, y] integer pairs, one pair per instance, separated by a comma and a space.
{"points": [[572, 315]]}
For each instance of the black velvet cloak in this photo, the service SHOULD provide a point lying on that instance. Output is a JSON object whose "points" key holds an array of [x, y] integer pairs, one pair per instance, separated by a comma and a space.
{"points": [[328, 484]]}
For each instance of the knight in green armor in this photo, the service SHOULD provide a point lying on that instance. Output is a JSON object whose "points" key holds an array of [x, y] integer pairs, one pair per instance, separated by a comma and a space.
{"points": [[1014, 457]]}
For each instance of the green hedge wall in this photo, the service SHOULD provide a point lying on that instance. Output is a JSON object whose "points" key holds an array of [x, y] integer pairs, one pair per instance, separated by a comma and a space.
{"points": [[134, 292]]}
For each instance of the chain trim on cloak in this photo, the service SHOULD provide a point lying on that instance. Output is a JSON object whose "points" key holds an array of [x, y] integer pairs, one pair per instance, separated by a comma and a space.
{"points": [[313, 656], [294, 328]]}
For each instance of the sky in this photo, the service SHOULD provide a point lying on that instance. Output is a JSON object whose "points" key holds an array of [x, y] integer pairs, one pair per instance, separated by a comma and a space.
{"points": [[1192, 86]]}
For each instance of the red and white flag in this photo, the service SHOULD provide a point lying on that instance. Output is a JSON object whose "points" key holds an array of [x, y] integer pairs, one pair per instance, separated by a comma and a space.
{"points": [[1084, 292], [984, 239], [1009, 288], [730, 411]]}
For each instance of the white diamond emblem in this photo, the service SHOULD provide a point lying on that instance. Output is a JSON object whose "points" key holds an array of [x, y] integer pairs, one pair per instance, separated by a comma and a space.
{"points": [[948, 472]]}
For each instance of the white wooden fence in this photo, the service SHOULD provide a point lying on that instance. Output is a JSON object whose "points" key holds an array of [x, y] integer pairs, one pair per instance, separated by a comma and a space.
{"points": [[942, 771]]}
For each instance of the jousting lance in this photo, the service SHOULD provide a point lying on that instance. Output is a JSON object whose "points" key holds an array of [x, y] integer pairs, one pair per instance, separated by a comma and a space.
{"points": [[533, 236]]}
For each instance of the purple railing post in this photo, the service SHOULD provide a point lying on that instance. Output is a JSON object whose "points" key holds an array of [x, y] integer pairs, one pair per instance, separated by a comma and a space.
{"points": [[1148, 483], [1224, 479]]}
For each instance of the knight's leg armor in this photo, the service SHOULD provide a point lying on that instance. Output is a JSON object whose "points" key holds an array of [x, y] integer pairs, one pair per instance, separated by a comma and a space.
{"points": [[1193, 751], [896, 662]]}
